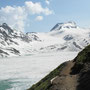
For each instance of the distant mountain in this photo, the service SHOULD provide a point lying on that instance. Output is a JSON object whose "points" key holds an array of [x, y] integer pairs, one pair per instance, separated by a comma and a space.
{"points": [[33, 36], [70, 37], [71, 75], [67, 25], [12, 41], [62, 37]]}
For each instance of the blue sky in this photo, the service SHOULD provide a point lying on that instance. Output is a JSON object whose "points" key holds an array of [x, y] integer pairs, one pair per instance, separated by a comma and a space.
{"points": [[59, 11]]}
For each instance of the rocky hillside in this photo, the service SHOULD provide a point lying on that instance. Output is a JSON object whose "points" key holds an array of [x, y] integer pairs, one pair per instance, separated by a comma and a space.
{"points": [[71, 75]]}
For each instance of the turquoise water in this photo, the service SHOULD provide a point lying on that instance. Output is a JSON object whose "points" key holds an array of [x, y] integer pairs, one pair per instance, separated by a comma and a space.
{"points": [[5, 84], [8, 84]]}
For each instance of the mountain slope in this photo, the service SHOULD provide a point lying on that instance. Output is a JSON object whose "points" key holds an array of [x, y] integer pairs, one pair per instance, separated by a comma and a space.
{"points": [[71, 75], [68, 39], [63, 37], [12, 41]]}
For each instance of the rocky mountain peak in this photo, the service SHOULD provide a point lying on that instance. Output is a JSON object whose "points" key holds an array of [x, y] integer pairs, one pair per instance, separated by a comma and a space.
{"points": [[6, 28], [4, 24], [66, 25]]}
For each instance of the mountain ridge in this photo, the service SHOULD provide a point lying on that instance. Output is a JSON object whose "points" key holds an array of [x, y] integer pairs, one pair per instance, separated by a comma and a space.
{"points": [[65, 39], [67, 25]]}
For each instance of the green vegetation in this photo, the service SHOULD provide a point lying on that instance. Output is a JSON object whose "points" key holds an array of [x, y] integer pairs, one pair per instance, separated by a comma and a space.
{"points": [[83, 56], [44, 84]]}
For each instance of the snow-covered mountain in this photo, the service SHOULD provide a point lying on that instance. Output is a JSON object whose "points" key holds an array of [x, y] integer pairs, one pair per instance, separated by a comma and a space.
{"points": [[73, 37], [62, 37], [13, 41], [67, 25]]}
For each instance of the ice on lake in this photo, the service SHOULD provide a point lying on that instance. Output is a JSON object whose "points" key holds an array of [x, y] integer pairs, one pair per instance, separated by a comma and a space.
{"points": [[19, 73]]}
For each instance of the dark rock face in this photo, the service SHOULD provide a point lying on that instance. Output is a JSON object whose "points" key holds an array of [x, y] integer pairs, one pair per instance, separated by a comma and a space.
{"points": [[1, 51], [56, 26], [32, 36], [13, 50], [84, 78], [77, 45], [82, 68], [5, 26], [68, 37]]}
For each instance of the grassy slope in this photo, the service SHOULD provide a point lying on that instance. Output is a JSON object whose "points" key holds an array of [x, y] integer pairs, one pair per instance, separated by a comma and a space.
{"points": [[82, 58], [44, 84]]}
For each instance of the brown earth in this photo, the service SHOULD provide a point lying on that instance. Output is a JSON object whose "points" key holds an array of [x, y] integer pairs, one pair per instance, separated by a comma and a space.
{"points": [[65, 81]]}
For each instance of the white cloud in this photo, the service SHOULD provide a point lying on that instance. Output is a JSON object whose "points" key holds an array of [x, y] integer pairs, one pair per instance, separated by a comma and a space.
{"points": [[47, 2], [39, 18], [47, 11], [16, 16], [36, 8]]}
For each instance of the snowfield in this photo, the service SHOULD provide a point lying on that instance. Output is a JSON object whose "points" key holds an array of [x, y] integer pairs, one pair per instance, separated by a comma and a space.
{"points": [[19, 73]]}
